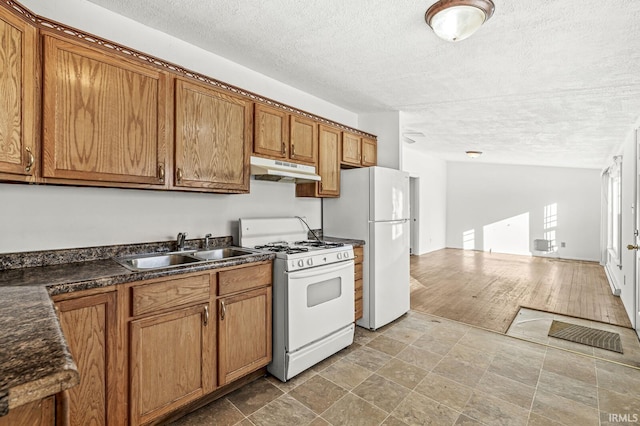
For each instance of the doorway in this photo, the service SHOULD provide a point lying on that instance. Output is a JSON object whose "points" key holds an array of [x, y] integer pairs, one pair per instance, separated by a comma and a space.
{"points": [[414, 215]]}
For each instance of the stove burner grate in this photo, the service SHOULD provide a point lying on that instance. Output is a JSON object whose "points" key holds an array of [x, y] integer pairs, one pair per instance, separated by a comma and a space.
{"points": [[319, 243], [282, 247]]}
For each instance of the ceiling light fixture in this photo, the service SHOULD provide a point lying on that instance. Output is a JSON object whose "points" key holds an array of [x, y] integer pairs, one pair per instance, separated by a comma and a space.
{"points": [[455, 20], [473, 154]]}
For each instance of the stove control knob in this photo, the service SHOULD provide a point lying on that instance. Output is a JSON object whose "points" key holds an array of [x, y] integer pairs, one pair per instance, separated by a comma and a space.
{"points": [[310, 262], [339, 255], [346, 255], [300, 262]]}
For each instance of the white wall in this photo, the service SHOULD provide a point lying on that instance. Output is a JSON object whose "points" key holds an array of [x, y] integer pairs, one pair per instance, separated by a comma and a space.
{"points": [[387, 126], [49, 217], [502, 208], [53, 217], [432, 174]]}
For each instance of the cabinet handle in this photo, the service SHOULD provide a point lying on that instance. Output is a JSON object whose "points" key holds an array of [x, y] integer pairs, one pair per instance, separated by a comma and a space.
{"points": [[293, 150], [161, 172], [179, 175], [223, 311], [206, 314], [284, 148], [31, 161], [320, 186]]}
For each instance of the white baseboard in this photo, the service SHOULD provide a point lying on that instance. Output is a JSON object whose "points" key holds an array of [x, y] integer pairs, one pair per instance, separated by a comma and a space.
{"points": [[612, 282]]}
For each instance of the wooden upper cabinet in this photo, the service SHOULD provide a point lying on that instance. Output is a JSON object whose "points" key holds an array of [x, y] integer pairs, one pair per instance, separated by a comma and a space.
{"points": [[213, 139], [351, 149], [329, 161], [358, 151], [104, 117], [303, 140], [271, 138], [329, 141], [18, 111], [280, 135], [369, 152]]}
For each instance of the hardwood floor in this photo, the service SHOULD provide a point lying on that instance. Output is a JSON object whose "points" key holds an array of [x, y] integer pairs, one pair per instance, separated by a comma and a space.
{"points": [[486, 290]]}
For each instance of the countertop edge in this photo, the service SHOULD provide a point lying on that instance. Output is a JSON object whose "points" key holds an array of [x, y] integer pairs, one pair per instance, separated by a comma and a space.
{"points": [[42, 388]]}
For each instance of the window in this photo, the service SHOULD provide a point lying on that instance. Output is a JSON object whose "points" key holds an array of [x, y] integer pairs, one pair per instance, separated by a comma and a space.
{"points": [[614, 225]]}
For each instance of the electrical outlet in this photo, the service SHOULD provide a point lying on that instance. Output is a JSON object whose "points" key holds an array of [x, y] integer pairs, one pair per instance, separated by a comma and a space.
{"points": [[563, 244]]}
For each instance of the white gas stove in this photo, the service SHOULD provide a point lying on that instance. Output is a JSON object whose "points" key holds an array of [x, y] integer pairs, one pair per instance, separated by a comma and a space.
{"points": [[308, 253], [313, 293]]}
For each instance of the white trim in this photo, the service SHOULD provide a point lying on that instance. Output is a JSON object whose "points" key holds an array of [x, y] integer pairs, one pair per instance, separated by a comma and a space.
{"points": [[612, 282]]}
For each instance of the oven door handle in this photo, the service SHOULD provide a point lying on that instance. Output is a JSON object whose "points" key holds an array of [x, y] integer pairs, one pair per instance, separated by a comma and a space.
{"points": [[321, 270]]}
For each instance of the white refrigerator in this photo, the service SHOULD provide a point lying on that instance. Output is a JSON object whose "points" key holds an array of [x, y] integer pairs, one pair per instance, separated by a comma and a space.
{"points": [[374, 207]]}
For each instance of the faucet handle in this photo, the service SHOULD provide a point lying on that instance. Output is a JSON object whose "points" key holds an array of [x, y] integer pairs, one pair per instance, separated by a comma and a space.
{"points": [[180, 240]]}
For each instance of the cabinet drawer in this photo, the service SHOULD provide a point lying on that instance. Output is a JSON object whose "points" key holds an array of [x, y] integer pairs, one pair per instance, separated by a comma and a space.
{"points": [[358, 309], [358, 271], [242, 279], [358, 289], [358, 253], [166, 294]]}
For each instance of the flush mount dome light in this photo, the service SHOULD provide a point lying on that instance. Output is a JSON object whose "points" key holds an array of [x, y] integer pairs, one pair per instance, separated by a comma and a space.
{"points": [[473, 154], [455, 20]]}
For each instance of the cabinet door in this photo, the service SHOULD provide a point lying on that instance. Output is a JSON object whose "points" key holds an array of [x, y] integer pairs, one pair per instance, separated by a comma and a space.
{"points": [[351, 154], [170, 362], [18, 110], [270, 132], [104, 117], [244, 334], [304, 140], [213, 139], [37, 413], [329, 161], [369, 152], [89, 325]]}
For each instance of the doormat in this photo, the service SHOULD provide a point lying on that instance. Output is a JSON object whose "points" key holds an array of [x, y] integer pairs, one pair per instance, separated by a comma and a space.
{"points": [[586, 336]]}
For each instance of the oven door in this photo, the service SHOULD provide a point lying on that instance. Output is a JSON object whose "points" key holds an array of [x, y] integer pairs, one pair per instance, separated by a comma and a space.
{"points": [[319, 302]]}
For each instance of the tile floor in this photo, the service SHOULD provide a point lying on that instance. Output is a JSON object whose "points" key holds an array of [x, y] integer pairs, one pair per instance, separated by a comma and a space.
{"points": [[423, 369], [533, 325]]}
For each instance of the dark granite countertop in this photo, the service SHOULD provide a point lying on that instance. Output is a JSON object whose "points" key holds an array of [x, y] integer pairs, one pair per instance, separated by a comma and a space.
{"points": [[35, 361]]}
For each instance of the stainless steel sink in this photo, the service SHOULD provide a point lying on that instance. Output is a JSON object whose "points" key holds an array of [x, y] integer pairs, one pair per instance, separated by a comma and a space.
{"points": [[150, 261], [222, 253], [156, 261]]}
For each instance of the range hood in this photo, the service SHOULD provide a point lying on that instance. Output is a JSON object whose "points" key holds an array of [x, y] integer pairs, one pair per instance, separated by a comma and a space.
{"points": [[282, 171]]}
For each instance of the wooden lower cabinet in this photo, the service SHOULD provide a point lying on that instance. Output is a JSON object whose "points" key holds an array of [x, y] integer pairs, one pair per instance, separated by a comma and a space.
{"points": [[37, 413], [358, 255], [244, 333], [170, 362], [89, 325], [147, 349]]}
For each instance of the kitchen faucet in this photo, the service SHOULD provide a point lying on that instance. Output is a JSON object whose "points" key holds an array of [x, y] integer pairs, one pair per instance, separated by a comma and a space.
{"points": [[206, 241], [180, 240]]}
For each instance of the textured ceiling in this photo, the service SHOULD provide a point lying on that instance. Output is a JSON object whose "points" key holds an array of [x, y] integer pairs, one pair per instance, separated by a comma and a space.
{"points": [[546, 82]]}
